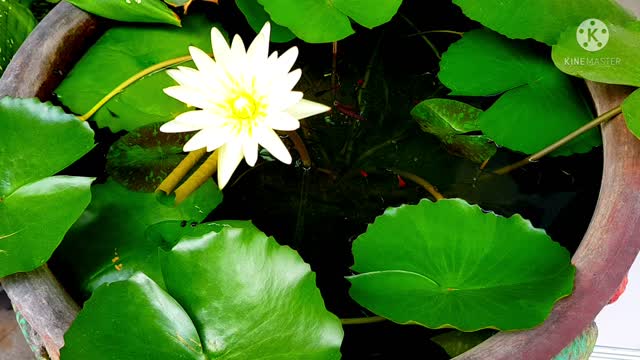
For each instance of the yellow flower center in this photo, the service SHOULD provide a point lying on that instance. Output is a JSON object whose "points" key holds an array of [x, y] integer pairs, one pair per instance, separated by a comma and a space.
{"points": [[244, 107]]}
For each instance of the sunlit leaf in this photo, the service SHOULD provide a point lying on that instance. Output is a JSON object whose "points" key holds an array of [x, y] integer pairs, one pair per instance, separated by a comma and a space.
{"points": [[257, 16], [16, 23], [144, 11], [631, 109], [450, 264]]}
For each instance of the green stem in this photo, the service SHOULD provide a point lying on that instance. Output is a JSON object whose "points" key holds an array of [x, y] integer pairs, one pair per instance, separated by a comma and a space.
{"points": [[459, 33], [433, 47], [130, 81], [558, 144], [363, 320]]}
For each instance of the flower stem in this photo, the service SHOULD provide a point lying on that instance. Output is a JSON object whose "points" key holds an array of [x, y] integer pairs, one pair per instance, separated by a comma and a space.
{"points": [[199, 177], [459, 33], [300, 148], [362, 320], [130, 81], [420, 181], [433, 47], [555, 146], [174, 178]]}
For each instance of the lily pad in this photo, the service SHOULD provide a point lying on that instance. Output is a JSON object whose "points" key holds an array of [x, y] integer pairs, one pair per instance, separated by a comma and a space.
{"points": [[257, 16], [531, 19], [539, 105], [247, 296], [141, 159], [450, 264], [16, 23], [108, 242], [36, 209], [319, 21], [617, 62], [117, 56], [631, 110], [451, 121], [147, 11]]}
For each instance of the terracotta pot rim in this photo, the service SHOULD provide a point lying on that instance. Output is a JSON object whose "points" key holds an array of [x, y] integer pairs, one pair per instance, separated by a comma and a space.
{"points": [[607, 251]]}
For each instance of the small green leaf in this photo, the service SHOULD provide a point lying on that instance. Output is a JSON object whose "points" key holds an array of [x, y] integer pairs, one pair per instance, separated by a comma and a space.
{"points": [[631, 110], [38, 140], [450, 120], [16, 23], [257, 16], [108, 242], [543, 20], [449, 264], [618, 62], [251, 298], [540, 105], [117, 56], [144, 11], [457, 342], [132, 320], [34, 219], [318, 21], [141, 159]]}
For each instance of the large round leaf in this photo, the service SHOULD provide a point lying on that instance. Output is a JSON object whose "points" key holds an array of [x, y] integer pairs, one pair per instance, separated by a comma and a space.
{"points": [[132, 319], [450, 264], [248, 297], [16, 23], [257, 16], [118, 55], [618, 62], [108, 242], [36, 210], [539, 106], [149, 11], [251, 298], [543, 20], [318, 21], [34, 219]]}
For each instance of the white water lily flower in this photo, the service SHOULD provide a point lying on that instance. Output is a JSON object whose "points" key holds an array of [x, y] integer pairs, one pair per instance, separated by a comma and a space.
{"points": [[242, 96]]}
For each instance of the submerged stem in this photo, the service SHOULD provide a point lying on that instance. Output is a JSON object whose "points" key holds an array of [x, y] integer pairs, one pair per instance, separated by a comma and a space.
{"points": [[300, 148], [555, 146], [362, 320], [174, 178], [420, 181], [130, 81], [199, 177], [433, 47]]}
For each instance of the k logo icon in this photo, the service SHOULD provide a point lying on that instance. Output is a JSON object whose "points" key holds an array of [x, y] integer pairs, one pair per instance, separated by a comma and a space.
{"points": [[592, 35]]}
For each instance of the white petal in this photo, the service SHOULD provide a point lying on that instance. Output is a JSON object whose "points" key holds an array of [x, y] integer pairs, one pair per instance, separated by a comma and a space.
{"points": [[190, 96], [211, 138], [279, 102], [259, 48], [286, 61], [190, 121], [202, 59], [286, 83], [250, 151], [272, 142], [283, 121], [221, 50], [306, 108], [211, 74], [229, 157], [237, 47], [182, 77]]}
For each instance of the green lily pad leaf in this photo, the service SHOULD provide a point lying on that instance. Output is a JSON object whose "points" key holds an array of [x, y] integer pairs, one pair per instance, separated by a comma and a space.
{"points": [[141, 159], [449, 264], [34, 219], [257, 16], [242, 282], [320, 21], [631, 110], [16, 23], [38, 140], [147, 11], [108, 242], [617, 62], [247, 297], [450, 121], [539, 105], [117, 56], [36, 210], [522, 20], [458, 342], [130, 320]]}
